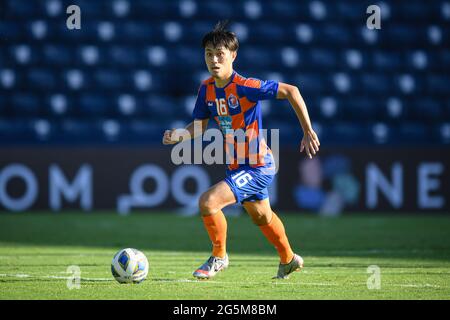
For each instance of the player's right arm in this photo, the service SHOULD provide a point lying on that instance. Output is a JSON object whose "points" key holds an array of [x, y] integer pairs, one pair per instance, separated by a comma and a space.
{"points": [[191, 131]]}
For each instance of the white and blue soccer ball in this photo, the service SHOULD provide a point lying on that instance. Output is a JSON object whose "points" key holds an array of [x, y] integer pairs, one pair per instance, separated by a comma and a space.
{"points": [[129, 266]]}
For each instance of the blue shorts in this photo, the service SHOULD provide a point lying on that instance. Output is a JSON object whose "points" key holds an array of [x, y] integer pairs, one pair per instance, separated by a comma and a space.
{"points": [[250, 184]]}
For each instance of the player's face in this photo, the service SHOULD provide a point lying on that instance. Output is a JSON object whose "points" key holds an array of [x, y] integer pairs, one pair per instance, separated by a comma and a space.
{"points": [[219, 61]]}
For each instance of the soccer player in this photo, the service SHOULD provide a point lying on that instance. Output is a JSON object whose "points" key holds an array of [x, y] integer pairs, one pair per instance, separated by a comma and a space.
{"points": [[233, 102]]}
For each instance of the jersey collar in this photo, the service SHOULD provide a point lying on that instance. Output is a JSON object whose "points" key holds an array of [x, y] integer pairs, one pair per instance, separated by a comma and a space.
{"points": [[231, 81]]}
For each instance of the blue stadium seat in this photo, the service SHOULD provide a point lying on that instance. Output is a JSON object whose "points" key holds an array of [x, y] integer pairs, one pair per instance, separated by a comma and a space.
{"points": [[161, 107], [25, 104], [289, 58], [414, 11], [381, 133], [12, 31], [197, 29], [42, 79], [10, 79], [4, 101], [13, 132], [136, 64], [412, 133], [385, 60], [289, 9], [151, 9], [375, 83], [134, 31], [22, 54], [112, 131], [194, 55], [331, 109], [255, 58], [76, 79], [360, 108], [76, 131], [438, 84], [221, 9], [395, 109], [348, 10], [404, 35], [287, 134], [58, 105], [345, 133], [147, 131], [93, 105], [123, 56], [266, 32], [336, 34], [321, 59], [441, 132], [58, 55], [426, 109], [446, 107], [444, 59], [310, 84], [108, 79], [91, 9], [91, 55], [22, 8]]}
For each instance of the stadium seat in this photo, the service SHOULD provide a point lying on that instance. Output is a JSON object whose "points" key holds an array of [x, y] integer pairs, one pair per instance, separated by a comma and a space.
{"points": [[385, 60], [426, 109], [13, 132], [75, 132], [25, 104], [42, 79], [128, 69], [108, 79], [412, 133], [93, 105], [57, 55], [22, 8], [441, 133], [58, 105], [320, 59]]}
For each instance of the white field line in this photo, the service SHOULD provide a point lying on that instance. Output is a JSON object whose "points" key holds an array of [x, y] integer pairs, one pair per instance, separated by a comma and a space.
{"points": [[426, 285], [51, 277], [321, 284], [164, 280]]}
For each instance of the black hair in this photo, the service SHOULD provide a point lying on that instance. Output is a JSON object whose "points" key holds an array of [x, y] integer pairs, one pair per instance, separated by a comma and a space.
{"points": [[221, 37]]}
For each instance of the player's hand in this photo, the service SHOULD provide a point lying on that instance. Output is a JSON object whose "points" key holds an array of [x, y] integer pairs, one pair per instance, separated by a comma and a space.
{"points": [[310, 143], [167, 138]]}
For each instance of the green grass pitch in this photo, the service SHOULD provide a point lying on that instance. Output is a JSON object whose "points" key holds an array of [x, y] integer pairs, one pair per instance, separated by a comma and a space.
{"points": [[412, 252]]}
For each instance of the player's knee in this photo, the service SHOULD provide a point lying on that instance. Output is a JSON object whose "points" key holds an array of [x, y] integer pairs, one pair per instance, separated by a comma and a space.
{"points": [[261, 217], [207, 204]]}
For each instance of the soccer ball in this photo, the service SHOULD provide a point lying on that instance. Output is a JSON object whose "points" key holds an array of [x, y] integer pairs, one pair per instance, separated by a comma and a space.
{"points": [[129, 266]]}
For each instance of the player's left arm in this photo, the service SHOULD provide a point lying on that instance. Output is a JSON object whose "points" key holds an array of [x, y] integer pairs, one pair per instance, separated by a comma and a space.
{"points": [[310, 142]]}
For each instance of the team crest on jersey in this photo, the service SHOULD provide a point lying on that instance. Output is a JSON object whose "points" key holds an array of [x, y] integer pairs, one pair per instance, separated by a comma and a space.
{"points": [[233, 102]]}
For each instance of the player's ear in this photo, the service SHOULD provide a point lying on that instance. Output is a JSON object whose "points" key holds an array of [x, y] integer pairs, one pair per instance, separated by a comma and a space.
{"points": [[233, 55]]}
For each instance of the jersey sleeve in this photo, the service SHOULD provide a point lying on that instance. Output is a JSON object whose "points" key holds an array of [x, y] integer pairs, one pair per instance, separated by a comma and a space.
{"points": [[255, 89], [201, 110]]}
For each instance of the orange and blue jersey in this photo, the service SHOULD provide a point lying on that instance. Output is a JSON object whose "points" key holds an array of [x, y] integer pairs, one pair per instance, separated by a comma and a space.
{"points": [[236, 107]]}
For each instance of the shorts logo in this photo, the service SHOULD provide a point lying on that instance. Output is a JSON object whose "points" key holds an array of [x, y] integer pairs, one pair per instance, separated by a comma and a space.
{"points": [[233, 102]]}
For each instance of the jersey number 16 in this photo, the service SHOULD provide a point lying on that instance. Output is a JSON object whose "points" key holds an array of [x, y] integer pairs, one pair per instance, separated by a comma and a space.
{"points": [[242, 178], [221, 107]]}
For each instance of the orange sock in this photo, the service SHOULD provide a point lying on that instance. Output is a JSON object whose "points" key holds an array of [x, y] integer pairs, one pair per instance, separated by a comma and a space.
{"points": [[275, 233], [216, 225]]}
